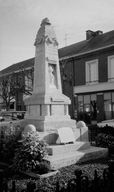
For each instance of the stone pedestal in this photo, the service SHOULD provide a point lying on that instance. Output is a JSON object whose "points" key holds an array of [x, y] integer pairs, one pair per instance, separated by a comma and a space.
{"points": [[79, 152], [47, 108]]}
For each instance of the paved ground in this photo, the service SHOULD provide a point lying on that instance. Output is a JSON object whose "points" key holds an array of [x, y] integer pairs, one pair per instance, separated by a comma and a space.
{"points": [[108, 122]]}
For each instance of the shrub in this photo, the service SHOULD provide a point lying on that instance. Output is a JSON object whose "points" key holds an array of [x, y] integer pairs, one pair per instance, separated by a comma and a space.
{"points": [[29, 153], [8, 150], [104, 140], [109, 130], [84, 116], [42, 168], [8, 143]]}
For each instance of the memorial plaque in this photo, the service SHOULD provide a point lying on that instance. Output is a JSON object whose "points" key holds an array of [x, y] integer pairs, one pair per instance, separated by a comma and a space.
{"points": [[66, 135]]}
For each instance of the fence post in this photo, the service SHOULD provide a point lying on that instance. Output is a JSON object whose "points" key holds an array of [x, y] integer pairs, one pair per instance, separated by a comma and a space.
{"points": [[111, 173], [95, 182], [4, 185], [84, 183], [57, 187], [31, 186], [1, 183], [13, 186], [78, 174], [106, 180], [1, 140]]}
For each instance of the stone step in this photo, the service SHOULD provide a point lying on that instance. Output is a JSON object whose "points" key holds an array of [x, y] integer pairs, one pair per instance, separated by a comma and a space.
{"points": [[62, 160], [59, 161], [93, 153], [66, 148]]}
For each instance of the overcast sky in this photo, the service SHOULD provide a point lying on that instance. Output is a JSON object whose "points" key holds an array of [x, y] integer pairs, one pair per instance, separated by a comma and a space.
{"points": [[20, 21]]}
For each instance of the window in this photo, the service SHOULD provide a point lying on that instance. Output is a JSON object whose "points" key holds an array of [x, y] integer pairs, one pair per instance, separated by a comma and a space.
{"points": [[29, 81], [87, 103], [0, 89], [92, 71], [113, 105], [80, 103], [111, 68], [107, 105], [93, 97]]}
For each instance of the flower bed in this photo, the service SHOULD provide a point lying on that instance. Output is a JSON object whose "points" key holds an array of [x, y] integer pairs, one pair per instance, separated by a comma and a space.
{"points": [[49, 184]]}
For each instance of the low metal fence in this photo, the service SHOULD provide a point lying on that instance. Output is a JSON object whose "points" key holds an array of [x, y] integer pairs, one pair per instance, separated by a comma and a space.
{"points": [[94, 130], [81, 183]]}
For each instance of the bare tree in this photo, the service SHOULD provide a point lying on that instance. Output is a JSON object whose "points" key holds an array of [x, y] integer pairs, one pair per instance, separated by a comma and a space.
{"points": [[6, 92], [15, 84]]}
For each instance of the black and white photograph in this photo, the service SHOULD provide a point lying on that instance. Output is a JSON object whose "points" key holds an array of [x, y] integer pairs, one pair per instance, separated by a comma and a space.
{"points": [[56, 95]]}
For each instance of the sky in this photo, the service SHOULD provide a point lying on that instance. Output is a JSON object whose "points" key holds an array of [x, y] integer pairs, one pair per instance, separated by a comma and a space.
{"points": [[21, 19]]}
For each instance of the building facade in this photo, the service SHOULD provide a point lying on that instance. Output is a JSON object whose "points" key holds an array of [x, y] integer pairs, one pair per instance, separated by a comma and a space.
{"points": [[92, 67], [16, 83], [87, 74]]}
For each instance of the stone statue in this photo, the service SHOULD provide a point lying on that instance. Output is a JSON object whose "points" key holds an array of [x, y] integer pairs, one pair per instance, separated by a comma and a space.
{"points": [[45, 21], [52, 76], [46, 36]]}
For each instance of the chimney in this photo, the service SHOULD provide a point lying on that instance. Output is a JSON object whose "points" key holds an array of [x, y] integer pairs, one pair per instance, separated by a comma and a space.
{"points": [[99, 32], [90, 34]]}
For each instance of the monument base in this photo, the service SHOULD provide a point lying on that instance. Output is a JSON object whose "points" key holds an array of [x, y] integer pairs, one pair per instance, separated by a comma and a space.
{"points": [[48, 129], [42, 126], [61, 156], [48, 112]]}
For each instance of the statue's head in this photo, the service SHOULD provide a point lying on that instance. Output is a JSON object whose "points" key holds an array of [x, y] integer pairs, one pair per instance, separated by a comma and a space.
{"points": [[45, 21]]}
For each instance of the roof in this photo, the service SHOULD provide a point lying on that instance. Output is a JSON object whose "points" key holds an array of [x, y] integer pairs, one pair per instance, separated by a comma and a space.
{"points": [[93, 44], [18, 66], [85, 46]]}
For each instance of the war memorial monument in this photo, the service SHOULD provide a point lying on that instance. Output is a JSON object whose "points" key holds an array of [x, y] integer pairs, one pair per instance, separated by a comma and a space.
{"points": [[47, 108]]}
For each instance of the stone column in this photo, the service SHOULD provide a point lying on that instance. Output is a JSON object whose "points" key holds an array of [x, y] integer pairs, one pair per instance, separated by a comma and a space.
{"points": [[47, 105]]}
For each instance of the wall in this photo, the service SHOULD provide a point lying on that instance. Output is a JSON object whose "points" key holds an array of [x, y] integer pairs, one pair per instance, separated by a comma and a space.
{"points": [[79, 66], [68, 82]]}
